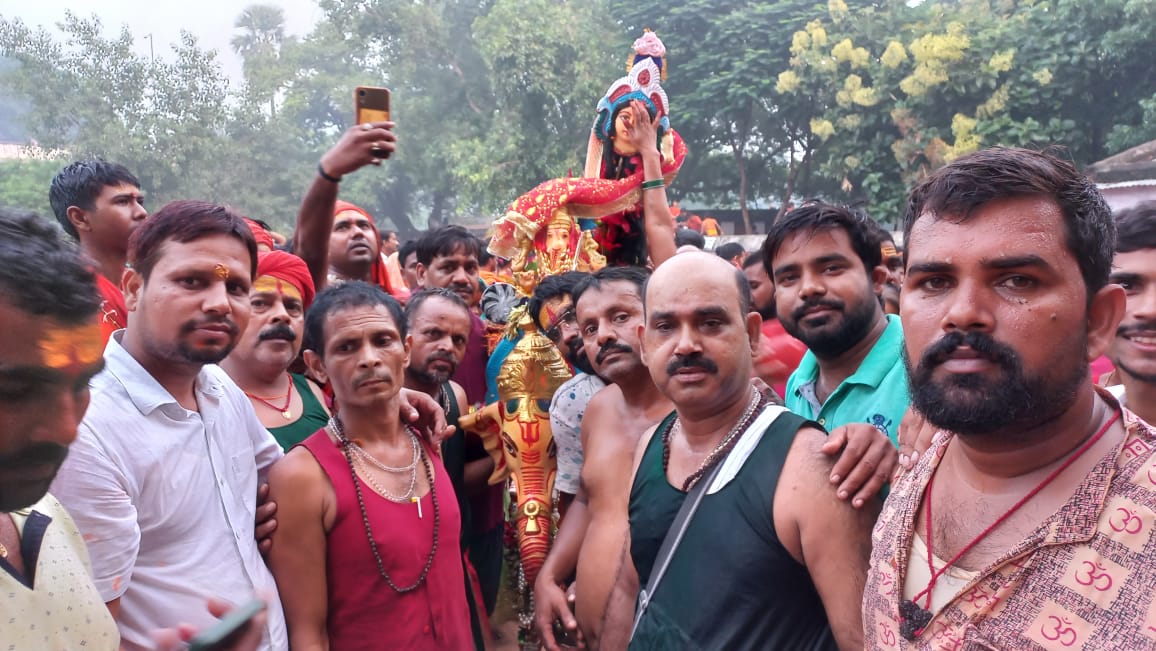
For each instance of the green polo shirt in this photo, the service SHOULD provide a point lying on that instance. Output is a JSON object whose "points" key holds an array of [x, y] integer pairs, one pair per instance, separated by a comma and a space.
{"points": [[876, 393]]}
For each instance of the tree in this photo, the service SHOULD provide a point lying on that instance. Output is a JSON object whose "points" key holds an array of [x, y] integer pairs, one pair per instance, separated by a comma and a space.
{"points": [[259, 44]]}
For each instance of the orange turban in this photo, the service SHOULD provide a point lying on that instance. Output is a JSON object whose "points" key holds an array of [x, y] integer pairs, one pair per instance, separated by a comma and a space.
{"points": [[289, 268], [380, 273]]}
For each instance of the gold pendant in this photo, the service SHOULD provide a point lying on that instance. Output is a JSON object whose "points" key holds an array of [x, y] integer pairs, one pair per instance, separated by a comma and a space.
{"points": [[4, 550], [287, 415]]}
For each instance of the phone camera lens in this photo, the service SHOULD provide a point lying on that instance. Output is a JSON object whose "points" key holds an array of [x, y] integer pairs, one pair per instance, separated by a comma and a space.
{"points": [[361, 93]]}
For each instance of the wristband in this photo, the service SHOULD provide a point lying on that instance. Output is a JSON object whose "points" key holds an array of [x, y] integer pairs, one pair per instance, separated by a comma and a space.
{"points": [[654, 184], [325, 175]]}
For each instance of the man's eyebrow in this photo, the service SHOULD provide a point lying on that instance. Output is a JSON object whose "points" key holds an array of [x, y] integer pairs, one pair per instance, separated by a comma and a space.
{"points": [[711, 311], [1016, 261], [1124, 276], [929, 268]]}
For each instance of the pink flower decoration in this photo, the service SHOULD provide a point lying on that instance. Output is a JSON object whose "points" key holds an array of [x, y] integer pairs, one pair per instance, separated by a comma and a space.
{"points": [[650, 45]]}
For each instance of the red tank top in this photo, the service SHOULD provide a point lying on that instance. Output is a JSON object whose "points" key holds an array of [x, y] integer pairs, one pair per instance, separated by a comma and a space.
{"points": [[364, 612]]}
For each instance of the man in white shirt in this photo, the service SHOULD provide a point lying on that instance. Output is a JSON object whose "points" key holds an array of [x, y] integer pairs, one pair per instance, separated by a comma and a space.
{"points": [[162, 479]]}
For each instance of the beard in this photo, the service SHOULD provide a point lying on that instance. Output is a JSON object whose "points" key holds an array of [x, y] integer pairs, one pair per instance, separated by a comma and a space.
{"points": [[16, 494], [853, 326], [973, 404], [423, 374]]}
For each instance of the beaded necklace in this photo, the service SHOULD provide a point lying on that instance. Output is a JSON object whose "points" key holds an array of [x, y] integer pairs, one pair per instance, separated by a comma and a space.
{"points": [[724, 446], [339, 431]]}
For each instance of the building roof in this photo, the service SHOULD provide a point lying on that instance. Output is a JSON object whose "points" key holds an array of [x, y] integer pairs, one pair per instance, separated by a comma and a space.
{"points": [[1135, 164]]}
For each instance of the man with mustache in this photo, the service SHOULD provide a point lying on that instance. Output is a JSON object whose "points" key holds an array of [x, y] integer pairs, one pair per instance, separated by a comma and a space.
{"points": [[162, 479], [439, 325], [49, 601], [289, 405], [827, 269], [552, 309], [771, 559], [1133, 349], [1028, 522], [447, 258]]}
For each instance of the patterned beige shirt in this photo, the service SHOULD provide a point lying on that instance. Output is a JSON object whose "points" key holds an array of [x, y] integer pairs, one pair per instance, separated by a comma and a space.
{"points": [[1085, 579], [61, 610]]}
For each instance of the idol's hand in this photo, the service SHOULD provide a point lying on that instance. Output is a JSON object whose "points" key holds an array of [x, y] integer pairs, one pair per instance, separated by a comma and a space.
{"points": [[640, 131]]}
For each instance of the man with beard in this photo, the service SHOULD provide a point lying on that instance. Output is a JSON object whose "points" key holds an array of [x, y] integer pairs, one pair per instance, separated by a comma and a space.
{"points": [[289, 405], [44, 377], [828, 273], [162, 479], [1028, 523], [99, 204], [779, 353], [439, 325], [771, 559], [1133, 349], [49, 601], [447, 257]]}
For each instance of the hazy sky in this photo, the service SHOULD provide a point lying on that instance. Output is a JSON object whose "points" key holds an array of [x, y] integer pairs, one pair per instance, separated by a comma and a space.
{"points": [[211, 21]]}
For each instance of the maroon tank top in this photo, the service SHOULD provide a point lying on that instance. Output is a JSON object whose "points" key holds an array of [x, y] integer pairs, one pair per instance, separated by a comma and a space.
{"points": [[364, 612]]}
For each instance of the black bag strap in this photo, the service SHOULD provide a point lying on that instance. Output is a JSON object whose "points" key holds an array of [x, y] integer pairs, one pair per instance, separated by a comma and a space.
{"points": [[671, 541]]}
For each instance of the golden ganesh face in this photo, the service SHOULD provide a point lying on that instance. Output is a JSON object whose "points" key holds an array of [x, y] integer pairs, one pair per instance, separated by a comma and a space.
{"points": [[516, 430]]}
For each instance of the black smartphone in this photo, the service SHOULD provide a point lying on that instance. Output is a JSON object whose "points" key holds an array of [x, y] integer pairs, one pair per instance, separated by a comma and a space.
{"points": [[371, 104], [226, 632]]}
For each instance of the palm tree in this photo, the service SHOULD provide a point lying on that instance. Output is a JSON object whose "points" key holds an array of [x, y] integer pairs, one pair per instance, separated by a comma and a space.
{"points": [[259, 44]]}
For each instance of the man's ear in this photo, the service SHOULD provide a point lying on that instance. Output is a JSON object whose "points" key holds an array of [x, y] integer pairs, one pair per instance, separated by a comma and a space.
{"points": [[419, 270], [79, 219], [316, 366], [879, 277], [641, 344], [131, 285], [754, 330], [1105, 312], [408, 349]]}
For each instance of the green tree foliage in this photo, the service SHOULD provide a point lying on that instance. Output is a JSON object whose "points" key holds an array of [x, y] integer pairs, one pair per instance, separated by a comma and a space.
{"points": [[24, 184], [853, 100]]}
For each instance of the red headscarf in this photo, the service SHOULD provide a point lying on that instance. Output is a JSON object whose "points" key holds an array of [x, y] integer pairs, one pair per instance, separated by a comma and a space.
{"points": [[379, 273], [259, 233], [289, 268]]}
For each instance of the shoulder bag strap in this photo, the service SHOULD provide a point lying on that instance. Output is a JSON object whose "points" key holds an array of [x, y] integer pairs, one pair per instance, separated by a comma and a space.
{"points": [[671, 541]]}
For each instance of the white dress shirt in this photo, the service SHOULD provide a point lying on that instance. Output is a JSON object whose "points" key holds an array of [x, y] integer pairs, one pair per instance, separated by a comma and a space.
{"points": [[165, 498]]}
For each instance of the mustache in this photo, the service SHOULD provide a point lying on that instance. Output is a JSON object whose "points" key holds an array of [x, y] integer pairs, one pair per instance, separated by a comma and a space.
{"points": [[278, 331], [982, 343], [190, 326], [612, 347], [442, 356], [1142, 329], [799, 312], [695, 360], [36, 454], [362, 378]]}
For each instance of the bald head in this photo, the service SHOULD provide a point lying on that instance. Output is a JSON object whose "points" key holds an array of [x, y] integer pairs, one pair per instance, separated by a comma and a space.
{"points": [[699, 264], [699, 334]]}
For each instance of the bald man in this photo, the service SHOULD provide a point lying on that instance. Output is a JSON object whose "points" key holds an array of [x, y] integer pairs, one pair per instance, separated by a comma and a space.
{"points": [[768, 516]]}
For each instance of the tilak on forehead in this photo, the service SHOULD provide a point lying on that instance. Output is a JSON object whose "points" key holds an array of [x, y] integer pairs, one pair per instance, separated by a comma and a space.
{"points": [[70, 347], [221, 271], [274, 285]]}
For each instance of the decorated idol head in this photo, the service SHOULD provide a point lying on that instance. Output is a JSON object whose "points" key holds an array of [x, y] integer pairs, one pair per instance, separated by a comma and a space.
{"points": [[647, 67]]}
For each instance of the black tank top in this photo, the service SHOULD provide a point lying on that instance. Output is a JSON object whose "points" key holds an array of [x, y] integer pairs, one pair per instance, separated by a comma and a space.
{"points": [[731, 584]]}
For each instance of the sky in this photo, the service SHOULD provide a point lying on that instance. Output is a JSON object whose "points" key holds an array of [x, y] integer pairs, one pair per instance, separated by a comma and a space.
{"points": [[211, 21]]}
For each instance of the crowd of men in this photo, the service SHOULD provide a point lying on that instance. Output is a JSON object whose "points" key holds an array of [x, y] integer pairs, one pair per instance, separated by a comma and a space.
{"points": [[208, 412]]}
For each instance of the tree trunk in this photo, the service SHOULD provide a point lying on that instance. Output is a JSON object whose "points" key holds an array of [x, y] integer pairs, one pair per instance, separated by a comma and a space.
{"points": [[740, 159]]}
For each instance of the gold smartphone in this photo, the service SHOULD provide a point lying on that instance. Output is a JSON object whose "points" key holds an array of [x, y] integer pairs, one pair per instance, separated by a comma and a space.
{"points": [[371, 104]]}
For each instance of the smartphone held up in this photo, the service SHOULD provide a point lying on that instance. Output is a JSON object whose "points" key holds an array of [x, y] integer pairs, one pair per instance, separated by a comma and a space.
{"points": [[371, 104]]}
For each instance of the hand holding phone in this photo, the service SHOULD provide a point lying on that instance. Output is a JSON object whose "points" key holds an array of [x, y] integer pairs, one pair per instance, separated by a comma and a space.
{"points": [[371, 104], [226, 634]]}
